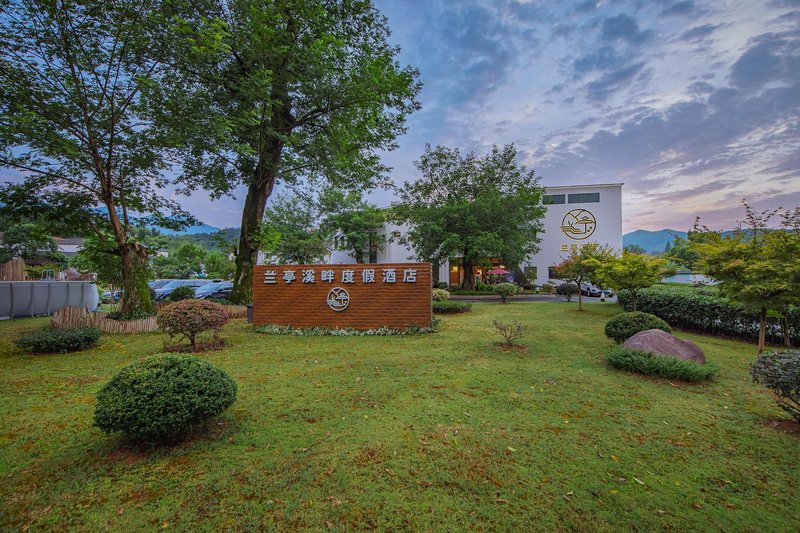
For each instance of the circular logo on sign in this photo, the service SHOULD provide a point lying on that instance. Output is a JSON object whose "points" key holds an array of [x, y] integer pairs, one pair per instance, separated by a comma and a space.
{"points": [[578, 224], [338, 299]]}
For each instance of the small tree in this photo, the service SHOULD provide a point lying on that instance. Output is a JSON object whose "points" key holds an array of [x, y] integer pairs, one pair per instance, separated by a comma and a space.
{"points": [[354, 220], [505, 291], [631, 272], [581, 265], [189, 318], [568, 290], [756, 267], [291, 231], [511, 332]]}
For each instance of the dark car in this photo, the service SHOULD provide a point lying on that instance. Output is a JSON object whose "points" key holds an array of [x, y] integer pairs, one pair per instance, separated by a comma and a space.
{"points": [[217, 290], [166, 290]]}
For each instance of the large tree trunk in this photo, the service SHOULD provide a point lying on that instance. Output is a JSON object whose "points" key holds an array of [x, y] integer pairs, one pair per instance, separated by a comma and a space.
{"points": [[469, 277], [247, 254], [135, 291], [762, 330]]}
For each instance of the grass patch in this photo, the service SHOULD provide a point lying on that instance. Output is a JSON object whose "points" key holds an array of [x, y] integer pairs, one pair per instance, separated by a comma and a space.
{"points": [[418, 432], [658, 366]]}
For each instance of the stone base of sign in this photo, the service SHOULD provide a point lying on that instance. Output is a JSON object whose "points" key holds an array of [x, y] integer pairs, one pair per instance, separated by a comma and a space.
{"points": [[358, 296]]}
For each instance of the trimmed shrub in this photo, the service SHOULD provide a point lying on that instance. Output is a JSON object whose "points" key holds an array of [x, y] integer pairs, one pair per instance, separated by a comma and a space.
{"points": [[705, 310], [567, 290], [658, 365], [190, 318], [450, 307], [163, 396], [440, 295], [511, 333], [548, 288], [780, 372], [52, 340], [505, 290], [625, 325], [181, 293]]}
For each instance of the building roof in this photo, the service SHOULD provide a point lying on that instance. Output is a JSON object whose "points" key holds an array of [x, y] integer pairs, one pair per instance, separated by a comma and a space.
{"points": [[587, 186]]}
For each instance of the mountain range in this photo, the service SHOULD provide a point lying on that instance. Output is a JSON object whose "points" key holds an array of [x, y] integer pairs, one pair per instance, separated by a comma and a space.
{"points": [[652, 241]]}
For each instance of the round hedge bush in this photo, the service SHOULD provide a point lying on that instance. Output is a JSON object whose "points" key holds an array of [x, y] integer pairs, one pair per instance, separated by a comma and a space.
{"points": [[625, 325], [567, 290], [190, 318], [181, 293], [163, 396], [780, 372], [505, 290], [440, 295]]}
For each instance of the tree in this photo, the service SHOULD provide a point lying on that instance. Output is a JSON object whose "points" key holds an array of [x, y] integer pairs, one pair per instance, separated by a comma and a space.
{"points": [[72, 121], [581, 265], [291, 231], [265, 91], [629, 271], [755, 266], [28, 240], [219, 266], [682, 253], [635, 249], [471, 207], [355, 221]]}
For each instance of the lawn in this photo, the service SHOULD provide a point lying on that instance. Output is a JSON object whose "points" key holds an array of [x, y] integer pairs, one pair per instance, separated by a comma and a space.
{"points": [[439, 432]]}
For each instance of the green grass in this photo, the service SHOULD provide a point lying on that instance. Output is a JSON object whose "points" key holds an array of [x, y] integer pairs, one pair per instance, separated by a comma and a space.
{"points": [[440, 432]]}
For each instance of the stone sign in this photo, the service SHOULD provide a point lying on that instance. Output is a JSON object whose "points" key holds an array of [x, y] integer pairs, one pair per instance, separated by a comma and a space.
{"points": [[358, 296]]}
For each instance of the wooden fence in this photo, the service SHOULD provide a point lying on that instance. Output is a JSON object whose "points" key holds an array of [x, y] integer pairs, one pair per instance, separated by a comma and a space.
{"points": [[13, 270], [79, 317]]}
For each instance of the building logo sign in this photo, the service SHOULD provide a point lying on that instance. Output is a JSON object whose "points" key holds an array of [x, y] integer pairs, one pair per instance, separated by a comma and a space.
{"points": [[359, 296], [578, 224], [338, 299]]}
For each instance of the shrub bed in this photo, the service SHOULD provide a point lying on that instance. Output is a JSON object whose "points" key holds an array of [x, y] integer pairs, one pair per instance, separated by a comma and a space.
{"points": [[625, 325], [658, 365], [440, 295], [705, 310], [780, 372], [52, 340], [161, 397], [450, 307]]}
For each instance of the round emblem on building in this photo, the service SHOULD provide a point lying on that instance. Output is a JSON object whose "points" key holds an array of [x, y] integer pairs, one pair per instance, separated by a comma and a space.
{"points": [[338, 299], [578, 224]]}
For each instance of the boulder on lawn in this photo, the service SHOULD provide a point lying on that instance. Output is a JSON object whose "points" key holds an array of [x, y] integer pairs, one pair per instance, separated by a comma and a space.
{"points": [[659, 342]]}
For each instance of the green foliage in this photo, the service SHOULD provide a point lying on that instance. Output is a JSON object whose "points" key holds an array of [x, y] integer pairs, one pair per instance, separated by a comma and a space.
{"points": [[505, 290], [218, 266], [567, 290], [705, 310], [625, 325], [440, 295], [291, 231], [29, 241], [181, 293], [101, 256], [756, 267], [780, 372], [270, 92], [548, 288], [631, 272], [659, 366], [189, 318], [162, 397], [683, 253], [274, 329], [121, 315], [354, 221], [52, 340], [581, 265], [451, 306], [471, 207]]}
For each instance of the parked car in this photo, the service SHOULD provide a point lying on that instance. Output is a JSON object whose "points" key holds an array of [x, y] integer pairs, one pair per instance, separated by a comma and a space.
{"points": [[589, 289], [158, 283], [166, 290], [218, 289], [107, 296]]}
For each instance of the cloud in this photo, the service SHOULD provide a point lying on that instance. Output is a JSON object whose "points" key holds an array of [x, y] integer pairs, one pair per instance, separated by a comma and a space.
{"points": [[685, 7], [623, 27], [698, 33]]}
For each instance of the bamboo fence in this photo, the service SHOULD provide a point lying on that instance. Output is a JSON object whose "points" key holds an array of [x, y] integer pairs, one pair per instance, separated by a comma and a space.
{"points": [[13, 270]]}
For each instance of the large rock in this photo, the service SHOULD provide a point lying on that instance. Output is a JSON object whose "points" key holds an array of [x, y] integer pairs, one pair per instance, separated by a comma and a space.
{"points": [[659, 342]]}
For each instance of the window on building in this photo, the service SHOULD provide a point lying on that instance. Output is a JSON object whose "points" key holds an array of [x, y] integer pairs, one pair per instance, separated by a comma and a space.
{"points": [[550, 199], [584, 198], [530, 273], [551, 273]]}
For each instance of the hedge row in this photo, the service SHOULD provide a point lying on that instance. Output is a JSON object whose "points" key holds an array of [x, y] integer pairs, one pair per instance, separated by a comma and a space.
{"points": [[705, 310]]}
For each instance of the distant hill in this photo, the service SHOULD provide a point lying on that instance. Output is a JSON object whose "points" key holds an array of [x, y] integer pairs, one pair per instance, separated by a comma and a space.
{"points": [[194, 230], [652, 241]]}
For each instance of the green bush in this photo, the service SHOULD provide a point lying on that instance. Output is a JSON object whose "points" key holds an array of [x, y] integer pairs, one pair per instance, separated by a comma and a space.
{"points": [[548, 288], [450, 306], [505, 290], [705, 310], [163, 396], [190, 318], [441, 285], [780, 372], [135, 315], [658, 365], [567, 290], [625, 325], [52, 340], [181, 293], [440, 295]]}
